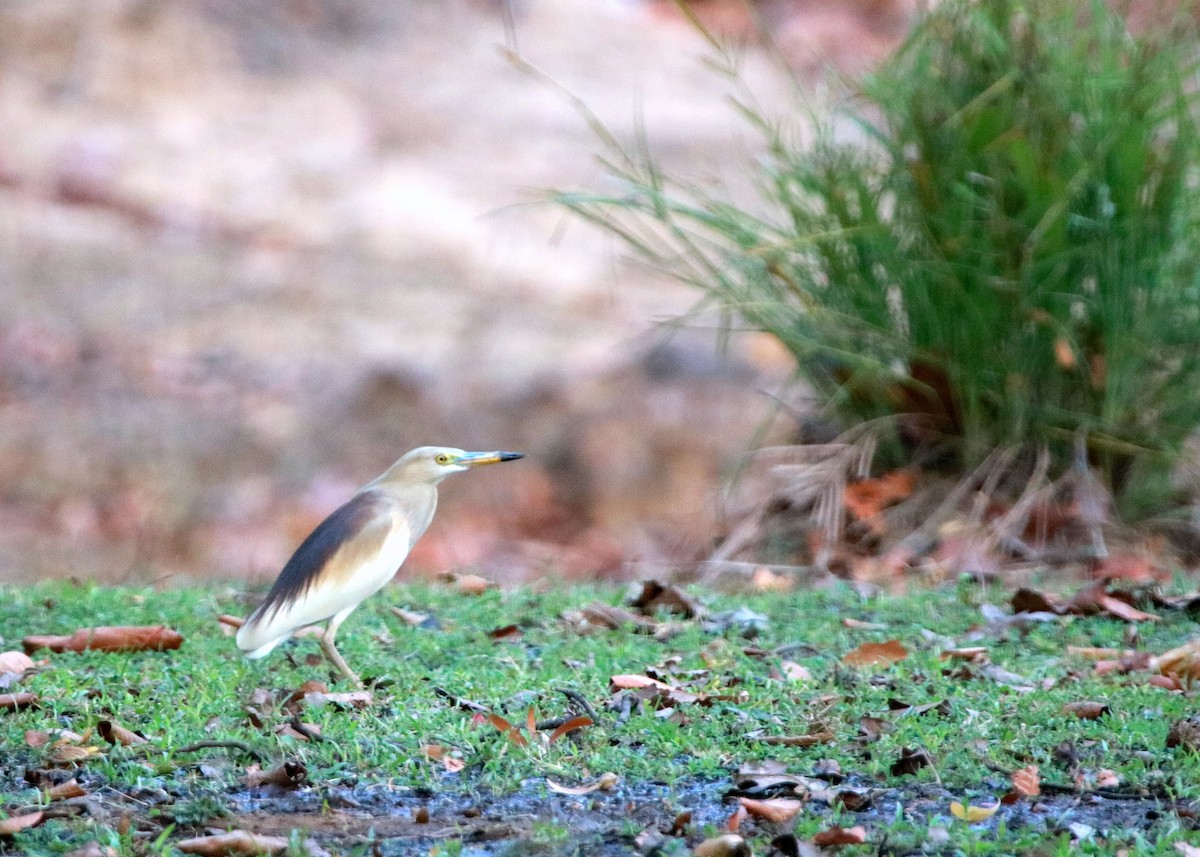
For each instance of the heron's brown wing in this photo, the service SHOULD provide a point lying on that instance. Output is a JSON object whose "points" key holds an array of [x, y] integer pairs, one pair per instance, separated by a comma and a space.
{"points": [[341, 544]]}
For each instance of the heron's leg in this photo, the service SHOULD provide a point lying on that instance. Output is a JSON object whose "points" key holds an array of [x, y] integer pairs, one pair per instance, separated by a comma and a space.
{"points": [[331, 652]]}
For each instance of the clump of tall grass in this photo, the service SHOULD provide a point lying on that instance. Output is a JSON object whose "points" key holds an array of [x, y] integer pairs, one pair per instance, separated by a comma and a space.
{"points": [[1004, 252]]}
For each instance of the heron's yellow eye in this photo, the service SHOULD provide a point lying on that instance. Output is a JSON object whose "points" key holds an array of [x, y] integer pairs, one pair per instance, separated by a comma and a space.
{"points": [[442, 458]]}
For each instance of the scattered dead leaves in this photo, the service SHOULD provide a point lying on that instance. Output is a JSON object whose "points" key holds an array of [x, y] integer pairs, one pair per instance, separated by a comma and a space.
{"points": [[237, 843], [727, 845], [467, 584], [125, 638], [14, 665], [1026, 782]]}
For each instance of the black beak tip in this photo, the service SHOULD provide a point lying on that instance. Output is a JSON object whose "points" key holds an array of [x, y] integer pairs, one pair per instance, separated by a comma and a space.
{"points": [[511, 456]]}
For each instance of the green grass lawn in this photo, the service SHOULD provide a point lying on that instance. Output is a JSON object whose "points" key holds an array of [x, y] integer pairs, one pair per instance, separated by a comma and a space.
{"points": [[984, 730]]}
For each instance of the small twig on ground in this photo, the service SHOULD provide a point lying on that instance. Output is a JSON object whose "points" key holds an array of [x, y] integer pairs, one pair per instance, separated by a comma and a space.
{"points": [[460, 702], [216, 745], [580, 700]]}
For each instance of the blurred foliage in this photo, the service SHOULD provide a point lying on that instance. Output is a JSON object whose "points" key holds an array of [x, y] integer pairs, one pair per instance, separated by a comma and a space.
{"points": [[988, 247]]}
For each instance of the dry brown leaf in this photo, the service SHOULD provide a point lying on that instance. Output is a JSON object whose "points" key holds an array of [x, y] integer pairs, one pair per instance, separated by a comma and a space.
{"points": [[1094, 653], [36, 738], [15, 662], [1026, 781], [356, 699], [655, 596], [234, 843], [974, 654], [506, 728], [453, 764], [1087, 710], [125, 638], [69, 789], [17, 701], [765, 580], [288, 775], [860, 625], [1181, 663], [876, 654], [734, 822], [794, 671], [776, 809], [468, 584], [1031, 601], [727, 845], [411, 617], [94, 849], [506, 634], [15, 823], [810, 740], [115, 733], [612, 618], [433, 752], [570, 726], [634, 681], [867, 498], [856, 835], [606, 782], [70, 754], [229, 624], [911, 760]]}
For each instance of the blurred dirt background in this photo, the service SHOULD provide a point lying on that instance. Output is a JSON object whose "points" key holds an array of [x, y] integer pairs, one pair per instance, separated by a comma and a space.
{"points": [[251, 253]]}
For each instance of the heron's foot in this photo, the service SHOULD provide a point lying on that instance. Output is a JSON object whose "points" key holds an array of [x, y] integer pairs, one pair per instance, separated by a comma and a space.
{"points": [[335, 658]]}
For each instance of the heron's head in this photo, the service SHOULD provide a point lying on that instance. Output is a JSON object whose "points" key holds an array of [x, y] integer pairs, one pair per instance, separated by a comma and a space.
{"points": [[432, 464]]}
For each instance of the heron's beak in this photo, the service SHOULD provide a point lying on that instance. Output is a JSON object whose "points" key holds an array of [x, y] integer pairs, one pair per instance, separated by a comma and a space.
{"points": [[476, 459]]}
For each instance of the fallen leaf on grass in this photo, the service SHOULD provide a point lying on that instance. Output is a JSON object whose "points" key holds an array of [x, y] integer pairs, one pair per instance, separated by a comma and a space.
{"points": [[15, 823], [125, 638], [506, 728], [1181, 663], [810, 740], [873, 728], [468, 584], [973, 814], [655, 596], [633, 681], [229, 624], [506, 634], [569, 727], [734, 822], [115, 733], [794, 671], [413, 618], [873, 654], [1087, 710], [1185, 733], [355, 699], [1103, 778], [1026, 781], [17, 701], [288, 775], [94, 849], [911, 760], [606, 782], [70, 754], [777, 810], [972, 654], [1026, 600], [614, 618], [860, 625], [856, 835], [64, 791], [1094, 653], [15, 663], [234, 843], [300, 731], [727, 845]]}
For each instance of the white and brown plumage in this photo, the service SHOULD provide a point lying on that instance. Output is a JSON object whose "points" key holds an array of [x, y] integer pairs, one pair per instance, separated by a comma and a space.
{"points": [[356, 550]]}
